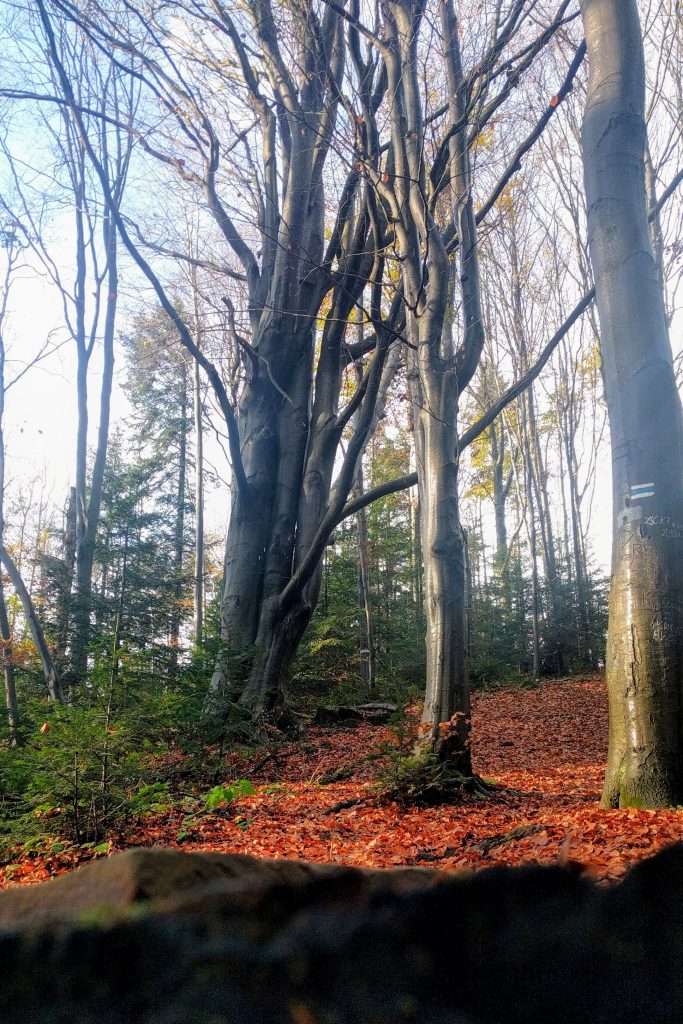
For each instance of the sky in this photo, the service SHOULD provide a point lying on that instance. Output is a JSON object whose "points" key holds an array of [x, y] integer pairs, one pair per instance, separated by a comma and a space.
{"points": [[41, 417], [41, 411]]}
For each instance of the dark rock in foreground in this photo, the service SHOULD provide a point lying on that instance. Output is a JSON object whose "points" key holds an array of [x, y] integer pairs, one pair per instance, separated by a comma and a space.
{"points": [[158, 937]]}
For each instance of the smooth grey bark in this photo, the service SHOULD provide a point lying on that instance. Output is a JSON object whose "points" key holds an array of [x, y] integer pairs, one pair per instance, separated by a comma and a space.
{"points": [[366, 625], [656, 231], [89, 500], [533, 543], [437, 374], [179, 525], [66, 574], [645, 635], [417, 576], [502, 482], [198, 602]]}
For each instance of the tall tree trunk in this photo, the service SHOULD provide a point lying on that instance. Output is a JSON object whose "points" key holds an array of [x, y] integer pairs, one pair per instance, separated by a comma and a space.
{"points": [[121, 604], [276, 638], [305, 474], [580, 568], [645, 635], [500, 490], [447, 707], [54, 686], [199, 510], [533, 542], [11, 703], [66, 579], [88, 505], [366, 630], [179, 530], [246, 545]]}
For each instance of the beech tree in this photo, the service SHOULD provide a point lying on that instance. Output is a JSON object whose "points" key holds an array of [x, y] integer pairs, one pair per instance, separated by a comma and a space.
{"points": [[644, 647], [324, 93]]}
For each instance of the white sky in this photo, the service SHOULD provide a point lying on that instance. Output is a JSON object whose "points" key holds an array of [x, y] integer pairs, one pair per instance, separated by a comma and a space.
{"points": [[41, 416]]}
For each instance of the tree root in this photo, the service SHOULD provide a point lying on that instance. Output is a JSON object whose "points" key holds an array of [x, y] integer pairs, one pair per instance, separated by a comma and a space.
{"points": [[491, 842], [427, 779]]}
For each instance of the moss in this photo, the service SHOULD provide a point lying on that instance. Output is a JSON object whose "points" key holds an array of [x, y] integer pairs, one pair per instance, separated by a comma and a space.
{"points": [[107, 916], [425, 778]]}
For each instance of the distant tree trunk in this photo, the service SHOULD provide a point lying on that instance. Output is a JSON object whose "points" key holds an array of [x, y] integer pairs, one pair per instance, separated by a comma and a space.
{"points": [[88, 505], [415, 536], [54, 686], [469, 596], [533, 547], [199, 510], [366, 632], [66, 576], [536, 475], [580, 569], [179, 528], [501, 489], [645, 636], [11, 703], [123, 586]]}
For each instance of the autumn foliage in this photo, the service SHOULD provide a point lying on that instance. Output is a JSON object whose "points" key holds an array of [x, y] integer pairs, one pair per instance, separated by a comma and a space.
{"points": [[543, 748]]}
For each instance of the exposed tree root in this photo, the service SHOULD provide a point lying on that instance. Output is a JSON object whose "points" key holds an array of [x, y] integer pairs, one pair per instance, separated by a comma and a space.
{"points": [[426, 778]]}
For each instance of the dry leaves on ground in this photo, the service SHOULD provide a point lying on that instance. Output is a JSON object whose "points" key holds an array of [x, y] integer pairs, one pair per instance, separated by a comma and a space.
{"points": [[544, 748]]}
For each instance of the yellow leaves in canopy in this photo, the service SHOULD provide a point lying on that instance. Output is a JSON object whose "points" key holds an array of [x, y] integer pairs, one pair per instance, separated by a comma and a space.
{"points": [[484, 140], [509, 198], [480, 460], [324, 312], [589, 365]]}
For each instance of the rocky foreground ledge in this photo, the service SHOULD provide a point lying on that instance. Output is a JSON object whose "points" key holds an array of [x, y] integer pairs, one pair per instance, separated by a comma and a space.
{"points": [[164, 937]]}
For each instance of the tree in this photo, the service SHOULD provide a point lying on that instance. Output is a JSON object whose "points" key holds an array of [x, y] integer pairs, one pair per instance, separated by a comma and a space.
{"points": [[644, 652], [90, 302], [12, 245], [283, 454], [160, 390]]}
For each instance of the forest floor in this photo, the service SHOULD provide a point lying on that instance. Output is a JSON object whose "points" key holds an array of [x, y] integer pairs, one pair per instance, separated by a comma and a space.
{"points": [[544, 748]]}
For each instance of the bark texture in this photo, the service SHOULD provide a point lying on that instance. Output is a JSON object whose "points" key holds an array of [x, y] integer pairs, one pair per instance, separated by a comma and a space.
{"points": [[644, 649]]}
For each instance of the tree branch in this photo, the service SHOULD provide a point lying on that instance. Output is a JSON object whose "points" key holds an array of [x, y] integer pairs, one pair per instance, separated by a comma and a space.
{"points": [[166, 304]]}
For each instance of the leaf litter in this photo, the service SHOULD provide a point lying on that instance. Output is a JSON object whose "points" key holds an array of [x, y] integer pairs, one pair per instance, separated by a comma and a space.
{"points": [[545, 750]]}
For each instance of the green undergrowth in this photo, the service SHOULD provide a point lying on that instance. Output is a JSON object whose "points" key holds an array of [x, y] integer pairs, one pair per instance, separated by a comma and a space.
{"points": [[423, 778], [84, 770]]}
